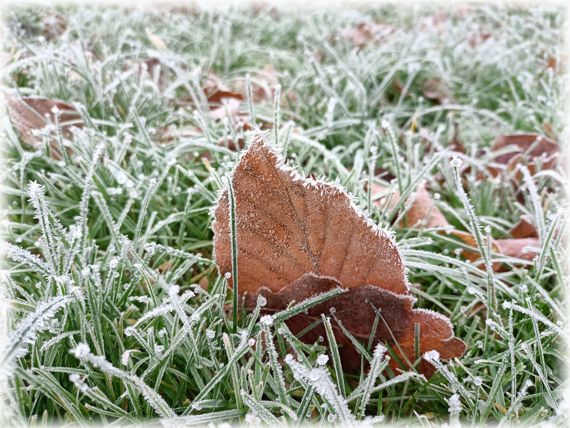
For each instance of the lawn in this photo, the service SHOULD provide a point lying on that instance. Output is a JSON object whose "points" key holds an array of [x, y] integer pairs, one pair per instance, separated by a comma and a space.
{"points": [[115, 309]]}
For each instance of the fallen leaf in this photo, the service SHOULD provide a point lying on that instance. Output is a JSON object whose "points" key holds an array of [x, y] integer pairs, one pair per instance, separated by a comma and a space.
{"points": [[523, 229], [229, 107], [297, 236], [523, 248], [216, 91], [421, 212], [365, 33], [527, 149], [32, 114], [53, 26], [436, 89], [356, 310]]}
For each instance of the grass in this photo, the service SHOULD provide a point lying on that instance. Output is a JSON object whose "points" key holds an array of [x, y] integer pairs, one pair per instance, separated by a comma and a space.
{"points": [[105, 247]]}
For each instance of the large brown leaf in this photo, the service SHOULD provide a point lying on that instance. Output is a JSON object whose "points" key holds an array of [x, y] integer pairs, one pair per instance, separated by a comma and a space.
{"points": [[297, 237]]}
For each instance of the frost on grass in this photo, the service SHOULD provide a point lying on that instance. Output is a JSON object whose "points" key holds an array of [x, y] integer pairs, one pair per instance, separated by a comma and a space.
{"points": [[319, 379], [28, 329], [83, 353]]}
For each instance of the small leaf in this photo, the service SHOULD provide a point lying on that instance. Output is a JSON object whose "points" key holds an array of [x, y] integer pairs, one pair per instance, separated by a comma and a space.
{"points": [[523, 149], [32, 114]]}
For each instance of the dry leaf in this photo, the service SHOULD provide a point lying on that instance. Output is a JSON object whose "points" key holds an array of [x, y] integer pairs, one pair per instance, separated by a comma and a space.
{"points": [[365, 33], [529, 147], [216, 91], [298, 236], [229, 107], [356, 310], [436, 89], [523, 248], [422, 211], [523, 229], [32, 114]]}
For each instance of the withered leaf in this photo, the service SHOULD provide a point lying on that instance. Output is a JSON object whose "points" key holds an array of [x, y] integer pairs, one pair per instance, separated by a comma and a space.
{"points": [[523, 229], [297, 237], [437, 89], [216, 90], [365, 33], [422, 211], [525, 147], [356, 310], [31, 114], [522, 248]]}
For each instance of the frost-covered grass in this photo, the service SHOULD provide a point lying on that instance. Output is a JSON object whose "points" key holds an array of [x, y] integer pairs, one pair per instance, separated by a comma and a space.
{"points": [[105, 248]]}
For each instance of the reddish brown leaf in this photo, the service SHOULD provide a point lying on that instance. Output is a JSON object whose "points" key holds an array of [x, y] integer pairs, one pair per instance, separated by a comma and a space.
{"points": [[523, 229], [424, 213], [524, 248], [216, 91], [526, 148], [297, 237], [31, 114], [228, 107], [356, 310]]}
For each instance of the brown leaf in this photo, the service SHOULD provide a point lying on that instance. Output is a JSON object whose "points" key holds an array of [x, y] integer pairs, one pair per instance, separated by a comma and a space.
{"points": [[523, 248], [365, 33], [30, 114], [526, 148], [356, 310], [228, 107], [216, 90], [436, 89], [523, 229], [422, 211], [297, 237]]}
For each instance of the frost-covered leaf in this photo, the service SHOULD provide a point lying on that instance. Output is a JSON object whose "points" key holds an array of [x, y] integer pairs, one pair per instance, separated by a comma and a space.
{"points": [[297, 238]]}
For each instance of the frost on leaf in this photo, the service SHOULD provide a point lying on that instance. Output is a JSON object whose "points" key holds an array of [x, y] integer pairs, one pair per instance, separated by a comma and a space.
{"points": [[298, 238]]}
